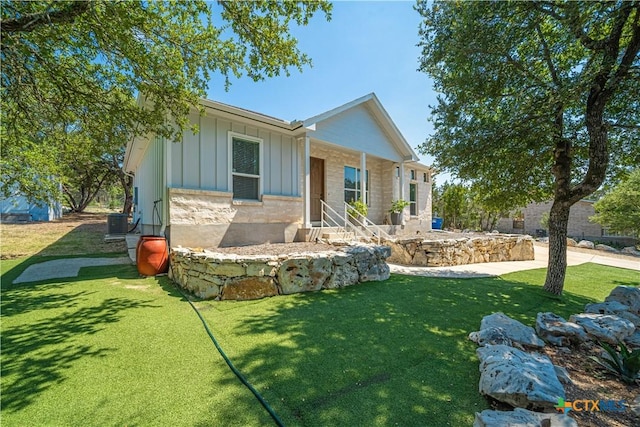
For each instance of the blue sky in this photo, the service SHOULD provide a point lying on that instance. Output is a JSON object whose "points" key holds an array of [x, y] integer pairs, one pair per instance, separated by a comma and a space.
{"points": [[366, 47]]}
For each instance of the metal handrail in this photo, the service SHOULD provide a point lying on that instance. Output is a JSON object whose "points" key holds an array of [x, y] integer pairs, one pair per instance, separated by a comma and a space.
{"points": [[367, 225], [346, 222], [326, 216]]}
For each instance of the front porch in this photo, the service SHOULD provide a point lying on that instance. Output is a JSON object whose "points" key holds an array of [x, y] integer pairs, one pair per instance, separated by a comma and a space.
{"points": [[333, 177]]}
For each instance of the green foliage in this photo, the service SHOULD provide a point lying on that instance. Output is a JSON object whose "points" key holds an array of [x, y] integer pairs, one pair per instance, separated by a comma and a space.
{"points": [[78, 65], [619, 210], [623, 363], [504, 69], [358, 208], [544, 220], [465, 207], [397, 206]]}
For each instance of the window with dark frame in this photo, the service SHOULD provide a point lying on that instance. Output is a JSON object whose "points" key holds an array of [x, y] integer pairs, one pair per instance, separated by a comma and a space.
{"points": [[245, 169], [413, 198], [352, 190]]}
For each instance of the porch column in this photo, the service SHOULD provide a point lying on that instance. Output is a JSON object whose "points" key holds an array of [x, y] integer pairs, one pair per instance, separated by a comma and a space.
{"points": [[307, 182], [401, 192], [363, 177]]}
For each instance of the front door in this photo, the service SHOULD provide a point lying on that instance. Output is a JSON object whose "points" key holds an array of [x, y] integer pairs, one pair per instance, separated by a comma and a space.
{"points": [[317, 187]]}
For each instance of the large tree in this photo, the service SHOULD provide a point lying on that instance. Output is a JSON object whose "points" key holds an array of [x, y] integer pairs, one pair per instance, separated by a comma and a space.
{"points": [[81, 64], [539, 100]]}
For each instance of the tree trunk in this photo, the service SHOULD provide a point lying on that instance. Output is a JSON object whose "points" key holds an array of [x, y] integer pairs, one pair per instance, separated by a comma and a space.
{"points": [[557, 265], [127, 185]]}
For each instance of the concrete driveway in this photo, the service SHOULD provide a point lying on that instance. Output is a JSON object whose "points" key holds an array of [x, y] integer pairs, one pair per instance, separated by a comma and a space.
{"points": [[492, 269]]}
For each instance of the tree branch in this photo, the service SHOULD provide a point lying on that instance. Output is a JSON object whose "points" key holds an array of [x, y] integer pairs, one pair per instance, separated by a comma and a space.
{"points": [[547, 58], [631, 53], [575, 24], [31, 21]]}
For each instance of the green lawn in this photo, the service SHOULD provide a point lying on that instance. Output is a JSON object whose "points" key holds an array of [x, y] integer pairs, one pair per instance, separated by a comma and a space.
{"points": [[110, 348]]}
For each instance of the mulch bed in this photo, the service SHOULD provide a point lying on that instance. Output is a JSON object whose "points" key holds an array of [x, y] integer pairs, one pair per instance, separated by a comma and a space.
{"points": [[593, 382]]}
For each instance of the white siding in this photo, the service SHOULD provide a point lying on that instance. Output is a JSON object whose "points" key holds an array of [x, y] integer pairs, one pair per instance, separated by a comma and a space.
{"points": [[357, 129], [200, 161]]}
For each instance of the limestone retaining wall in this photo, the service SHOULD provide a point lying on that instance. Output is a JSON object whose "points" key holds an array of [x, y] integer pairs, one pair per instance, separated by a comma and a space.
{"points": [[460, 251], [212, 275]]}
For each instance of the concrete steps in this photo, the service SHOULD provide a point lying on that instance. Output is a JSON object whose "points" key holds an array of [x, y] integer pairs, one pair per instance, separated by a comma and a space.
{"points": [[339, 236]]}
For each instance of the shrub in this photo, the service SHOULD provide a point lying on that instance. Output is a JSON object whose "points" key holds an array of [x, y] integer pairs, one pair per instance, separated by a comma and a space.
{"points": [[625, 363]]}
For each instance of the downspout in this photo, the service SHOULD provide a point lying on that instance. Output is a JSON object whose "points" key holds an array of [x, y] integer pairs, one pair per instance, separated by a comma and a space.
{"points": [[165, 190]]}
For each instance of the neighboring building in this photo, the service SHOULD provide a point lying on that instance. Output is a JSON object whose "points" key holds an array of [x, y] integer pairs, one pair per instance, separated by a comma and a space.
{"points": [[18, 208], [248, 178], [579, 227]]}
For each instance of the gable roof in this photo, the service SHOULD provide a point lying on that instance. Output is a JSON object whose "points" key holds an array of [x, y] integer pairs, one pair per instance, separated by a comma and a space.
{"points": [[383, 119]]}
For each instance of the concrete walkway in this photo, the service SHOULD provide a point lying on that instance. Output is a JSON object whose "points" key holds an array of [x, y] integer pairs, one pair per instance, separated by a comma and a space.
{"points": [[493, 269], [61, 268]]}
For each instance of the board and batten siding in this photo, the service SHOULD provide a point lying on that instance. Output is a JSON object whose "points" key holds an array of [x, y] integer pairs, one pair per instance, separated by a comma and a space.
{"points": [[357, 129], [201, 160]]}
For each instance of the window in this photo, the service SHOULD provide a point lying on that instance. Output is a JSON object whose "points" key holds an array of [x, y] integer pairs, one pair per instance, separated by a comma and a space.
{"points": [[352, 190], [424, 177], [413, 206], [413, 174], [245, 167]]}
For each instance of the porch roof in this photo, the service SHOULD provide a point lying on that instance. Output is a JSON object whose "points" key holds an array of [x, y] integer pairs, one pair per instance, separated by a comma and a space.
{"points": [[382, 118]]}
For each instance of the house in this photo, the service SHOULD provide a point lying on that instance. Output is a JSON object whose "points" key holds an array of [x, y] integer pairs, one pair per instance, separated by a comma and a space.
{"points": [[580, 226], [17, 208], [248, 178]]}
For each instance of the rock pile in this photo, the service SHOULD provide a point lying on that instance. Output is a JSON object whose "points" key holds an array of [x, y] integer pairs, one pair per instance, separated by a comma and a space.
{"points": [[587, 244], [512, 372], [211, 275]]}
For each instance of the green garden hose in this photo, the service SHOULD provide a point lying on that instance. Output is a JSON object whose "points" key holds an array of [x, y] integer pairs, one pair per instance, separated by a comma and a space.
{"points": [[238, 374]]}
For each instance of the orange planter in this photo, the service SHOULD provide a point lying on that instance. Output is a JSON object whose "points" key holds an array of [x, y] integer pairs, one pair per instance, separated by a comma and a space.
{"points": [[152, 255]]}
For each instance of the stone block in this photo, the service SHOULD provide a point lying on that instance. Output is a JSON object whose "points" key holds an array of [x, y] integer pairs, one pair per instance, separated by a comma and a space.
{"points": [[376, 272], [521, 417], [226, 269], [586, 244], [260, 269], [604, 327], [343, 275], [557, 331], [627, 295], [518, 378], [516, 331], [302, 275], [209, 292], [341, 258], [249, 288], [490, 336]]}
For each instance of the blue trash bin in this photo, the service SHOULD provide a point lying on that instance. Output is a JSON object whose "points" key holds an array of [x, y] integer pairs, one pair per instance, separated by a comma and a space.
{"points": [[436, 223]]}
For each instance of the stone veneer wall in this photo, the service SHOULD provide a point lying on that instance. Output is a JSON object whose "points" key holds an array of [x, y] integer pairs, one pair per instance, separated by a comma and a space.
{"points": [[460, 251], [203, 218], [212, 275]]}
